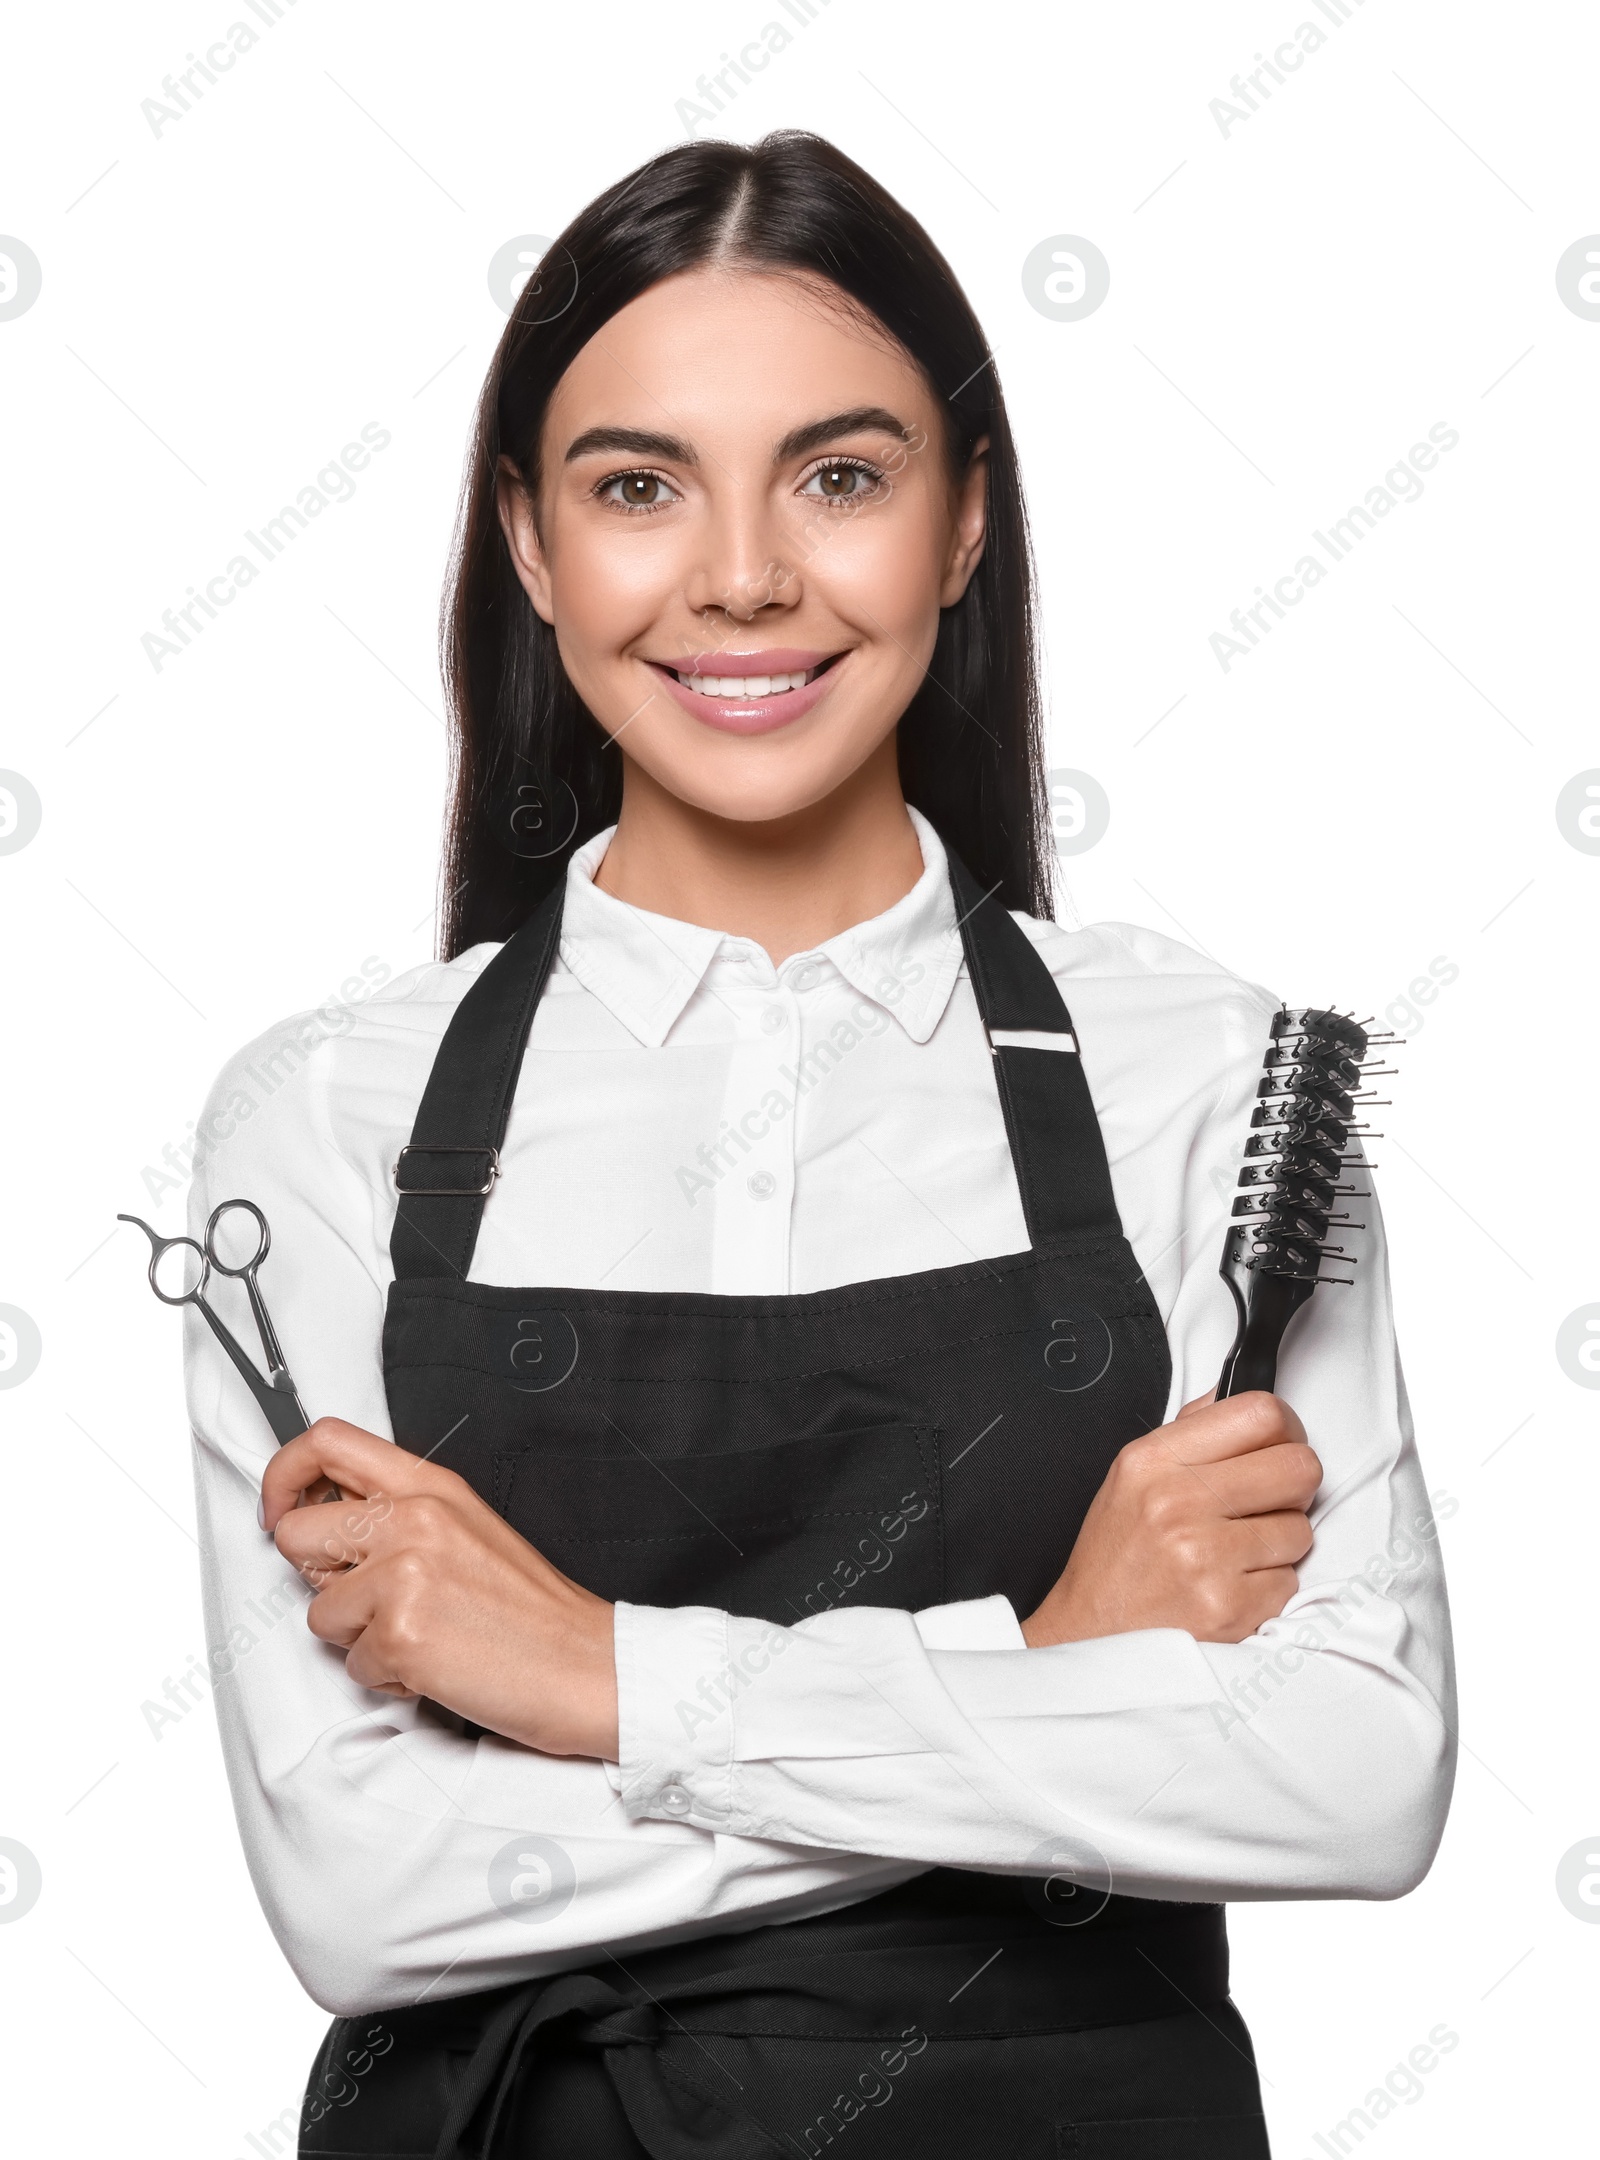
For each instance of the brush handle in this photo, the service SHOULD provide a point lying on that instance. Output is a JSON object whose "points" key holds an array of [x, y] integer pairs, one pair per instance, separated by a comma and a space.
{"points": [[1253, 1360]]}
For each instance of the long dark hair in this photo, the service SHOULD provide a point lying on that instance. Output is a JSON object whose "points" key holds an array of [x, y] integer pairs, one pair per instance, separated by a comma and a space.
{"points": [[534, 774]]}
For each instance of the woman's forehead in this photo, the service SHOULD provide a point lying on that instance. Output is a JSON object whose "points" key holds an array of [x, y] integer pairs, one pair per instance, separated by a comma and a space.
{"points": [[736, 354]]}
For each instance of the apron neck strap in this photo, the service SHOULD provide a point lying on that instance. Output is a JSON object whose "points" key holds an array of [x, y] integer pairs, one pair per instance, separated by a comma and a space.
{"points": [[446, 1173], [450, 1165], [1056, 1145]]}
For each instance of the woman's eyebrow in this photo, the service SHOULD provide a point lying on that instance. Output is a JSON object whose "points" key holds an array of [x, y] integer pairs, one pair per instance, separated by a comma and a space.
{"points": [[644, 442], [633, 442], [816, 433]]}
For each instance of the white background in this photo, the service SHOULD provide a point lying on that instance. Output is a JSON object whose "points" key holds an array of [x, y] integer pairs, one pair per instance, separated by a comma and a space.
{"points": [[1292, 305]]}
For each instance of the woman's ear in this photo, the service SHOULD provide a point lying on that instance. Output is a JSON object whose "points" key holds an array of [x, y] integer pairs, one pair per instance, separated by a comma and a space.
{"points": [[970, 525], [515, 505]]}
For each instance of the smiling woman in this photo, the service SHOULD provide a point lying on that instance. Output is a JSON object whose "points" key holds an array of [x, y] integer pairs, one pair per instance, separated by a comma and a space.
{"points": [[675, 492], [792, 1646], [747, 524]]}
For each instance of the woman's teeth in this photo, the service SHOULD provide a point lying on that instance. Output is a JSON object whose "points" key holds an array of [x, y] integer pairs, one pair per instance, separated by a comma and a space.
{"points": [[746, 686]]}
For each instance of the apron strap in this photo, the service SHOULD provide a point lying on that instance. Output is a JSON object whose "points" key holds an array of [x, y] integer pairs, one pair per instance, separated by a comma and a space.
{"points": [[1056, 1143], [449, 1167], [446, 1172]]}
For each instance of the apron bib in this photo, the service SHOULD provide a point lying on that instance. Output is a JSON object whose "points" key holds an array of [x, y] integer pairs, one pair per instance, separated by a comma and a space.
{"points": [[900, 1443]]}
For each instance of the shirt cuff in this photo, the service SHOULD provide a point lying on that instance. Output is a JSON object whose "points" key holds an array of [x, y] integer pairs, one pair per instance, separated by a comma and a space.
{"points": [[680, 1675], [674, 1713], [987, 1623]]}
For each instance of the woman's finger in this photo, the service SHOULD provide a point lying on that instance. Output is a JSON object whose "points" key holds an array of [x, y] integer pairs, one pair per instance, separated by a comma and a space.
{"points": [[1255, 1542], [357, 1462], [368, 1668], [349, 1614], [1214, 1432], [1286, 1476], [342, 1612], [331, 1535]]}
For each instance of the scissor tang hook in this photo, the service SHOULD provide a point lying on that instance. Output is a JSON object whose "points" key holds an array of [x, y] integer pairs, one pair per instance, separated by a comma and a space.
{"points": [[275, 1392]]}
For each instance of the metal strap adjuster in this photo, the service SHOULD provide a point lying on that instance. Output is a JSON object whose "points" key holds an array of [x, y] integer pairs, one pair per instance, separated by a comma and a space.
{"points": [[449, 1192], [1064, 1040]]}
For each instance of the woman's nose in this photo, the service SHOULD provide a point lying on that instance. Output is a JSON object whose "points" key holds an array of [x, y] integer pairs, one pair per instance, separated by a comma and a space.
{"points": [[740, 565]]}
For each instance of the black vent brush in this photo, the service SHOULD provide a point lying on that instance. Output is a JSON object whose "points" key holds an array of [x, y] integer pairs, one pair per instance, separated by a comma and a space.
{"points": [[1287, 1215]]}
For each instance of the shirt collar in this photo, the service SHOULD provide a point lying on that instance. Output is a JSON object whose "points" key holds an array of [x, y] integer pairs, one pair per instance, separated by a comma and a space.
{"points": [[644, 968]]}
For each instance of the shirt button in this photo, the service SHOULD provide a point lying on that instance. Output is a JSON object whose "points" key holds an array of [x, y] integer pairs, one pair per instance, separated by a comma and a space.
{"points": [[774, 1020], [675, 1800], [806, 978], [762, 1183]]}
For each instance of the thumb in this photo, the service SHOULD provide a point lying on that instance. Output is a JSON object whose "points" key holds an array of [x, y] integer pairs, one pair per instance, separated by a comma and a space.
{"points": [[1201, 1402]]}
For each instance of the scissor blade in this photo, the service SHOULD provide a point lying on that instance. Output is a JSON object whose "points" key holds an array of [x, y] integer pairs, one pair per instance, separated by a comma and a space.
{"points": [[282, 1412]]}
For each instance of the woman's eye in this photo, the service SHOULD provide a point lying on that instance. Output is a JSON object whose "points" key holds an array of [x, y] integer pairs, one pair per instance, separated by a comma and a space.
{"points": [[636, 491], [842, 481]]}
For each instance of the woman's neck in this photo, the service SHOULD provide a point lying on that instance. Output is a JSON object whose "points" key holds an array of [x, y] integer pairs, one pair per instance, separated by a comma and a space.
{"points": [[787, 884]]}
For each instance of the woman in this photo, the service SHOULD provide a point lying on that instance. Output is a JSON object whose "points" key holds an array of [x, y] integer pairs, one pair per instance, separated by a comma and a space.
{"points": [[799, 1674]]}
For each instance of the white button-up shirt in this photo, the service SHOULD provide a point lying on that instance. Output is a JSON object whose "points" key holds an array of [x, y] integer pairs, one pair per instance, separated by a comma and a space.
{"points": [[689, 1117]]}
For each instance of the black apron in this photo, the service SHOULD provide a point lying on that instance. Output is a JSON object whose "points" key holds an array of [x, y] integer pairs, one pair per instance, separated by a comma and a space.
{"points": [[758, 1454]]}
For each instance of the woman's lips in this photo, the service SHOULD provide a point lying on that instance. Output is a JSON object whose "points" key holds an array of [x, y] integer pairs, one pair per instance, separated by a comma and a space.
{"points": [[751, 715]]}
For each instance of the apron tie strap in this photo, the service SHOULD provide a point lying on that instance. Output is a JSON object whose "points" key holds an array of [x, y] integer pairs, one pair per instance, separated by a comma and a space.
{"points": [[630, 2032]]}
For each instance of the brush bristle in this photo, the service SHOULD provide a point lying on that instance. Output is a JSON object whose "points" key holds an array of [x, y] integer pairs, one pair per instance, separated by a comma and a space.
{"points": [[1301, 1131]]}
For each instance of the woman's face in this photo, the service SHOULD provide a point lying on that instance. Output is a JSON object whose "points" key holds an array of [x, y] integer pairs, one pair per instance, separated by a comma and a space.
{"points": [[745, 530]]}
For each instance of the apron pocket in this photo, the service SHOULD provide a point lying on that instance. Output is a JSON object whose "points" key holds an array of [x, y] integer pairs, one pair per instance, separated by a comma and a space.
{"points": [[779, 1532]]}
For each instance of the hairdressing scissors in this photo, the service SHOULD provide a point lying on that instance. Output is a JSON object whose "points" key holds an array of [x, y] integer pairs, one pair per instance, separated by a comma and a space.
{"points": [[276, 1391]]}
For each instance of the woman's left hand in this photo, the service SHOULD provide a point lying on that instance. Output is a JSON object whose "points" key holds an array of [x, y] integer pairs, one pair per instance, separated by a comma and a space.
{"points": [[432, 1593]]}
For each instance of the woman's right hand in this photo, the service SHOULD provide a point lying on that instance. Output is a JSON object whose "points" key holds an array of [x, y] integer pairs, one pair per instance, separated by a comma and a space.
{"points": [[1199, 1525]]}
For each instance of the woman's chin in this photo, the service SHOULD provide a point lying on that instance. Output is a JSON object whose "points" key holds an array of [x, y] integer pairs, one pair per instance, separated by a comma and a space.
{"points": [[757, 797]]}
